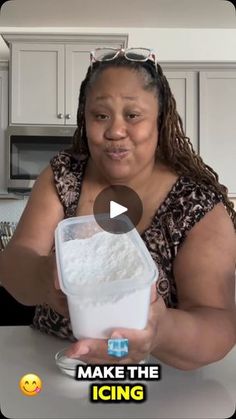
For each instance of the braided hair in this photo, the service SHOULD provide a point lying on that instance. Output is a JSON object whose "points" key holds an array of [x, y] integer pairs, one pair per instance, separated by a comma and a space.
{"points": [[174, 148]]}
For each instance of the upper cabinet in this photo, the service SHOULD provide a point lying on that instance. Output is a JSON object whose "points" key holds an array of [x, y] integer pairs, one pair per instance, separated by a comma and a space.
{"points": [[184, 86], [37, 84], [77, 62], [217, 93], [46, 76], [205, 96]]}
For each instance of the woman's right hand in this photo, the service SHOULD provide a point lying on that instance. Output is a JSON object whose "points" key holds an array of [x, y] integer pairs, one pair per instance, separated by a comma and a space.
{"points": [[53, 295]]}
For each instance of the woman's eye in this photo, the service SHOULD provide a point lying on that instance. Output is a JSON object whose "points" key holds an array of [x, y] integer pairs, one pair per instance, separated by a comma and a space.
{"points": [[132, 115], [101, 116]]}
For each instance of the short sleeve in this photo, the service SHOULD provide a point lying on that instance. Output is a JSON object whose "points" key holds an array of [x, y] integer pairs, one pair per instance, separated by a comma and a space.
{"points": [[68, 172], [194, 202]]}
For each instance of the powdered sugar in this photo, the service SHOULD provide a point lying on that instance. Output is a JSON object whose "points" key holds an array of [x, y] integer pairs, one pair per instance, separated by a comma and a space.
{"points": [[104, 257], [107, 277]]}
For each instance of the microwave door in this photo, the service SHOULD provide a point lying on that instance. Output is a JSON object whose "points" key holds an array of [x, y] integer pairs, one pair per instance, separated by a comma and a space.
{"points": [[20, 178], [29, 155]]}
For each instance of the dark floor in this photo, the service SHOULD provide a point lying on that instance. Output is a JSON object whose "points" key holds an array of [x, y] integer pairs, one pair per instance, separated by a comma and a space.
{"points": [[13, 313]]}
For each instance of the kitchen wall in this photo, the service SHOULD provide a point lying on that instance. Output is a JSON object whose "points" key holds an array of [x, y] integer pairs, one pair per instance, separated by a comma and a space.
{"points": [[176, 44]]}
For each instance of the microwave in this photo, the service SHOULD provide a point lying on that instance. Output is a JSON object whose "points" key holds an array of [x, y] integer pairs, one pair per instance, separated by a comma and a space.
{"points": [[29, 150]]}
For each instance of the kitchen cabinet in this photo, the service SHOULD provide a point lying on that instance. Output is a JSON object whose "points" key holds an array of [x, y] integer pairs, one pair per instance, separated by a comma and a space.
{"points": [[184, 87], [46, 76], [217, 100], [205, 95], [3, 121], [77, 63], [46, 80], [37, 84]]}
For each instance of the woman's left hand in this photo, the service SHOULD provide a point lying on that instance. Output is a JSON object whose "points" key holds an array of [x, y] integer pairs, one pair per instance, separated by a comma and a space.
{"points": [[140, 342]]}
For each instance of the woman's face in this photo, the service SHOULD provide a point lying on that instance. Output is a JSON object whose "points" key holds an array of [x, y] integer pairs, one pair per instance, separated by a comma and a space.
{"points": [[121, 124]]}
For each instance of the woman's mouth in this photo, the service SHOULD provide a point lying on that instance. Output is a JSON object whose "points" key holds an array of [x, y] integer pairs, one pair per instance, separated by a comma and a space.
{"points": [[117, 154]]}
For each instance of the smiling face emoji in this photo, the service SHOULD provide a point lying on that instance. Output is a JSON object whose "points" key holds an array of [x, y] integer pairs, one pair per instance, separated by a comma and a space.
{"points": [[30, 384]]}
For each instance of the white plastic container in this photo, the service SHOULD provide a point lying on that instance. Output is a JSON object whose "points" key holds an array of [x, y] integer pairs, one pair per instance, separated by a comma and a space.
{"points": [[97, 308]]}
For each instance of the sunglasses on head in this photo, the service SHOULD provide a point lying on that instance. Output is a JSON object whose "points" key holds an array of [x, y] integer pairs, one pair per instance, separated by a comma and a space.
{"points": [[131, 54]]}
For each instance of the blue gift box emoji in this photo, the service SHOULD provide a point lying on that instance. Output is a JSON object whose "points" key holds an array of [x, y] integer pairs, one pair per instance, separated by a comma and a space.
{"points": [[117, 347]]}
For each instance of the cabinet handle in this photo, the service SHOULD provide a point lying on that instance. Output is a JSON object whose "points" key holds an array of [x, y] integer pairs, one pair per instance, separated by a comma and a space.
{"points": [[60, 115], [68, 116]]}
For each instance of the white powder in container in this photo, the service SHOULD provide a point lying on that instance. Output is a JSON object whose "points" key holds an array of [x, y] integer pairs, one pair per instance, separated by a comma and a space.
{"points": [[104, 257], [107, 283]]}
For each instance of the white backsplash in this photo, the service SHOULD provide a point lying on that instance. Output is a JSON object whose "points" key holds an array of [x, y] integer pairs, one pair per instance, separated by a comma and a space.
{"points": [[11, 209]]}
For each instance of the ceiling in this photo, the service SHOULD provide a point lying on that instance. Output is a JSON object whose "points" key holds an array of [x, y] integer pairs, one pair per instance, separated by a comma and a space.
{"points": [[118, 13]]}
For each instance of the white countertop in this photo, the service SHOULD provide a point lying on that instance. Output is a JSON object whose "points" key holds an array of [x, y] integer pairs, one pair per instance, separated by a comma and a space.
{"points": [[209, 392]]}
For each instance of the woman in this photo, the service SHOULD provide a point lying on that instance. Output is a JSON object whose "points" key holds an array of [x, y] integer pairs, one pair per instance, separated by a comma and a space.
{"points": [[129, 133]]}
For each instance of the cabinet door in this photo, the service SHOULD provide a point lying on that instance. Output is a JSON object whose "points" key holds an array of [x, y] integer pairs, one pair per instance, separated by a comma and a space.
{"points": [[77, 62], [183, 85], [37, 95], [217, 124], [3, 126]]}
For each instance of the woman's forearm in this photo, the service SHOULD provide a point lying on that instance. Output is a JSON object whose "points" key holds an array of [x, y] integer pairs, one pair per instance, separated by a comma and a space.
{"points": [[189, 339], [21, 273]]}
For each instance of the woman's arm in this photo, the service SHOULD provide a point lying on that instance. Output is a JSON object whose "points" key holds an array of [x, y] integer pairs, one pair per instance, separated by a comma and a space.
{"points": [[203, 329], [26, 270]]}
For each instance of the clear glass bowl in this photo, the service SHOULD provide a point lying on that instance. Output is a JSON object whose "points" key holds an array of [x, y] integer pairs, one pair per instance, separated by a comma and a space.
{"points": [[66, 364]]}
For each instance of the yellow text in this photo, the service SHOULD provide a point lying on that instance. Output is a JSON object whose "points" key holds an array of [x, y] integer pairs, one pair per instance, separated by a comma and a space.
{"points": [[118, 393]]}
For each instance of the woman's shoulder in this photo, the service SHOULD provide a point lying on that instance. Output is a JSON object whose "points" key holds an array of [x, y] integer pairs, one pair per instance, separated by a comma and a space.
{"points": [[68, 171], [198, 191], [67, 159], [190, 201], [188, 192]]}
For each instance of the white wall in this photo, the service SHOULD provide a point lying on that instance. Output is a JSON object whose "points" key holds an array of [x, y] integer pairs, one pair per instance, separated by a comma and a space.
{"points": [[175, 44], [188, 44]]}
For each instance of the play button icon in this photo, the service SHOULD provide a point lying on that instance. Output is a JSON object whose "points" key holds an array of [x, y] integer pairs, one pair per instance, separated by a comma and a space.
{"points": [[118, 209]]}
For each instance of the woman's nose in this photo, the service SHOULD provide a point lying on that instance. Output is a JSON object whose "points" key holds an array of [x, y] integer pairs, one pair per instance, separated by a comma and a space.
{"points": [[116, 129]]}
